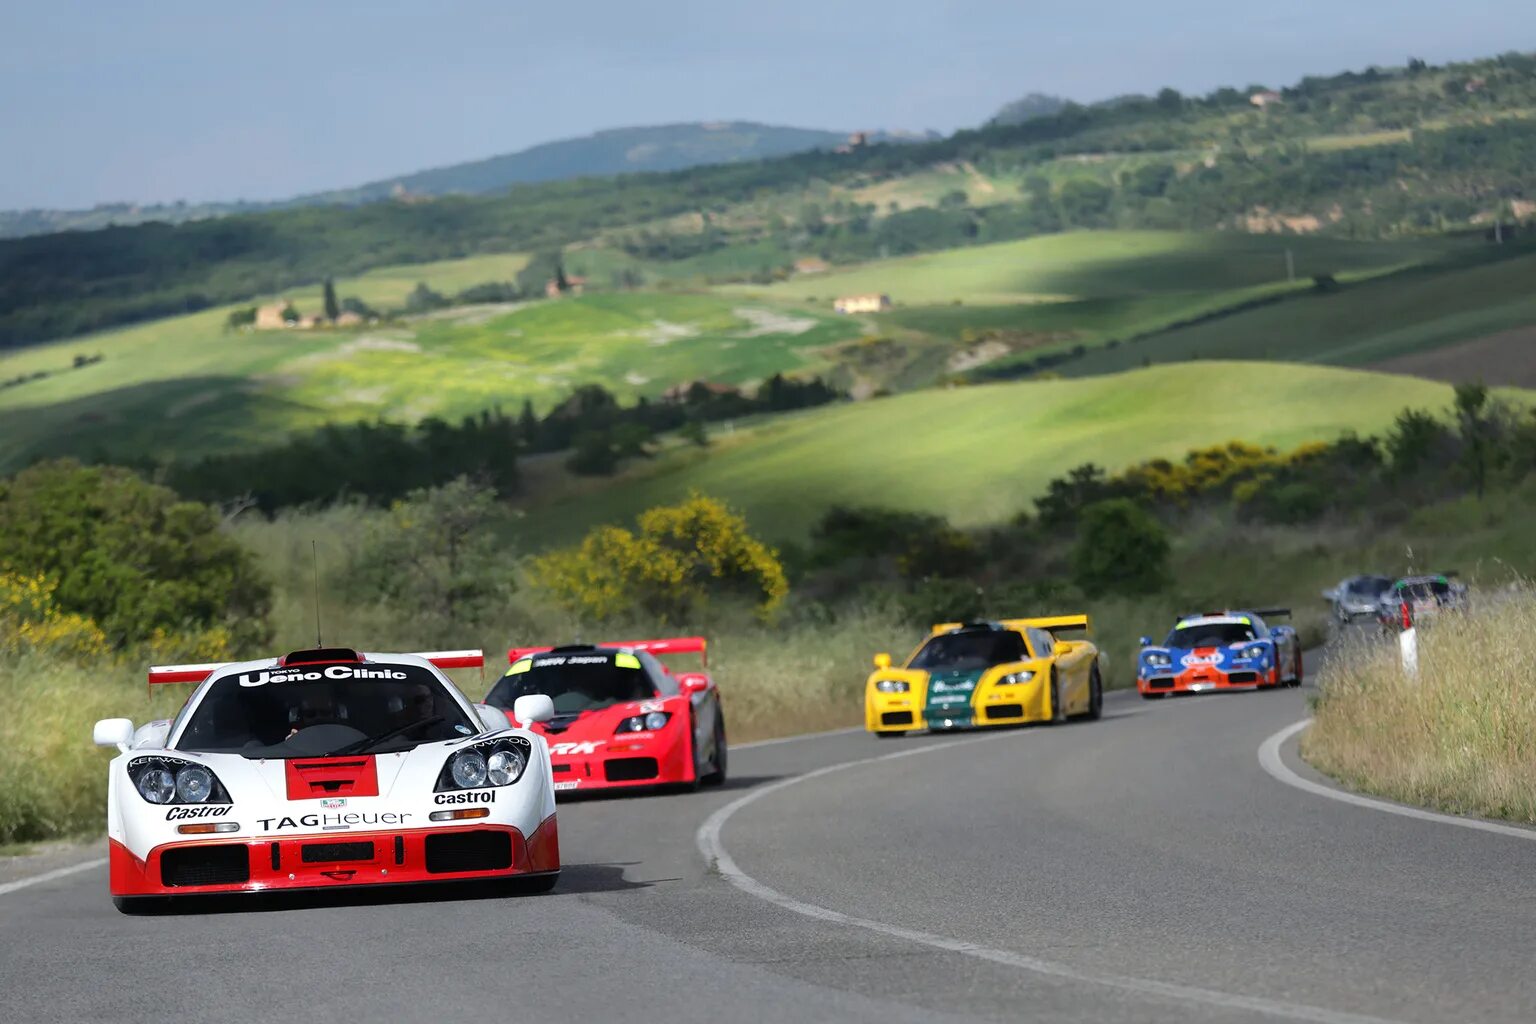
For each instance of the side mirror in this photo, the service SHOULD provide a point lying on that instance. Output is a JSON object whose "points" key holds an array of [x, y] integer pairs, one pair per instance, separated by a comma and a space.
{"points": [[1330, 595], [534, 707], [113, 732], [1146, 641], [693, 682], [882, 660]]}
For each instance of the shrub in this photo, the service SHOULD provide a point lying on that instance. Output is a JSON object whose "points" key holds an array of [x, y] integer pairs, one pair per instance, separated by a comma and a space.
{"points": [[1120, 547], [128, 554], [31, 621], [679, 558]]}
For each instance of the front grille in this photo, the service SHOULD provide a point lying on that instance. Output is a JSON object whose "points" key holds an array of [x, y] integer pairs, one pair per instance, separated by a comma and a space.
{"points": [[1160, 683], [1243, 677], [896, 718], [448, 852], [630, 769], [327, 853], [1006, 711], [226, 864]]}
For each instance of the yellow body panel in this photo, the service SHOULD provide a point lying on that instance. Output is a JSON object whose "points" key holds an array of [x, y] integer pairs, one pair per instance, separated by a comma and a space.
{"points": [[1071, 660]]}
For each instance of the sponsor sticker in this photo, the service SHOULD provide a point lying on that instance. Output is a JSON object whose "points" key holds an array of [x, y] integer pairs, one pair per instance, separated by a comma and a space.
{"points": [[468, 796], [266, 676], [647, 706], [568, 749], [567, 785], [197, 811], [1201, 659], [333, 822], [333, 803]]}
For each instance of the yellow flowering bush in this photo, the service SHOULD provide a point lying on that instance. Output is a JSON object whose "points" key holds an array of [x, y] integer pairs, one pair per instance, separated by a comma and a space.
{"points": [[31, 621], [677, 558]]}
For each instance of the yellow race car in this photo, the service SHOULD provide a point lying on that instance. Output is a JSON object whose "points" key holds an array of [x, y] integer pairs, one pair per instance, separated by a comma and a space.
{"points": [[987, 673]]}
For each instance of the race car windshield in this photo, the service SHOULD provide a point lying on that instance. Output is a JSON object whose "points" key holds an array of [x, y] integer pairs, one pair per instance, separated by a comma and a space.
{"points": [[316, 710], [1210, 634], [1369, 587], [965, 651], [575, 683]]}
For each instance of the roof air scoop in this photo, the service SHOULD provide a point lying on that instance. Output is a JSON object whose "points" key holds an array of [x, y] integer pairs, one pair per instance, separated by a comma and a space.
{"points": [[319, 656]]}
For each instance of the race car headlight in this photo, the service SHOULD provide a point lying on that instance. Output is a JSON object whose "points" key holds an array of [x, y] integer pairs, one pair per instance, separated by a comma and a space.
{"points": [[468, 769], [1158, 659], [503, 767], [1014, 678], [498, 762], [645, 723], [1256, 651], [170, 780], [893, 686]]}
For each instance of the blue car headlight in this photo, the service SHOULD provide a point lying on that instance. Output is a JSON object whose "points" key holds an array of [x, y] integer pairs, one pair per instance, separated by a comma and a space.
{"points": [[1157, 659], [1256, 651]]}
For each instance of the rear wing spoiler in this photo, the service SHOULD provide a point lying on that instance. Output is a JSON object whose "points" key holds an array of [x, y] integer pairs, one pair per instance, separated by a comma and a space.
{"points": [[162, 674], [1272, 613], [672, 645]]}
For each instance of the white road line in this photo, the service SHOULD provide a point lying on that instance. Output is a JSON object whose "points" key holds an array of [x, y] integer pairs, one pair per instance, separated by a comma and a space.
{"points": [[48, 876], [714, 852], [1271, 761]]}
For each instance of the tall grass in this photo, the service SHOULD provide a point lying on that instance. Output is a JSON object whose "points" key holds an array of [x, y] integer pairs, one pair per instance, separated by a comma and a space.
{"points": [[1461, 736]]}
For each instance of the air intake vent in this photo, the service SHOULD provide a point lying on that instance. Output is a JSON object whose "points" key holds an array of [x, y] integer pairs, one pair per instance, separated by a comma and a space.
{"points": [[205, 865]]}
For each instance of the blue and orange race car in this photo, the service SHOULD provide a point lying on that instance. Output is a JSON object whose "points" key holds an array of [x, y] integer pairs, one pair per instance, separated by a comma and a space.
{"points": [[1221, 651]]}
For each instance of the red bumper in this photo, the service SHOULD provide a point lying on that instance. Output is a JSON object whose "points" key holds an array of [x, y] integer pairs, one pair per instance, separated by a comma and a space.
{"points": [[335, 860], [622, 764], [1206, 679]]}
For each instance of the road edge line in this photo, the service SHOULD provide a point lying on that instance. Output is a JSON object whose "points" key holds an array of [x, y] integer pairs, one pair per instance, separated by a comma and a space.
{"points": [[712, 848], [48, 876], [1273, 763]]}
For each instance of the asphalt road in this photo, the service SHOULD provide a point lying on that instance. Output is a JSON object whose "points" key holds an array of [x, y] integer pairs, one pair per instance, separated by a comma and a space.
{"points": [[1141, 868]]}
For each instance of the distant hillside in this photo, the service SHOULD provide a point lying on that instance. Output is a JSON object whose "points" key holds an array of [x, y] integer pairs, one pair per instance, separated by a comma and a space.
{"points": [[670, 147]]}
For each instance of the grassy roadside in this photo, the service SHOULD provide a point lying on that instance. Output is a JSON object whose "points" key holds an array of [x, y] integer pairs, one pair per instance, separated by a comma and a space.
{"points": [[1461, 737]]}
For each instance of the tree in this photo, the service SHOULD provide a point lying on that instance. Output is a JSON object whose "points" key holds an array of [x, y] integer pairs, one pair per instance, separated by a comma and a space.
{"points": [[593, 454], [694, 433], [677, 560], [528, 424], [424, 300], [238, 318], [332, 308], [437, 554], [1471, 402], [1085, 201], [1120, 548], [130, 555]]}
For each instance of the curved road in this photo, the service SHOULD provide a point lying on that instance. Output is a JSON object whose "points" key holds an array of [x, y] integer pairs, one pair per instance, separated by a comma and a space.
{"points": [[1142, 868]]}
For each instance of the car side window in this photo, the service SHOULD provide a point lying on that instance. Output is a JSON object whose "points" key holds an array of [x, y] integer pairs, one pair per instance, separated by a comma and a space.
{"points": [[1041, 642]]}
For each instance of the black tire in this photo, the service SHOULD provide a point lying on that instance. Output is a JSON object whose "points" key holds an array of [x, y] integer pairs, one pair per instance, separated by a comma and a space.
{"points": [[717, 777], [1058, 713], [1298, 676], [890, 735], [1095, 696]]}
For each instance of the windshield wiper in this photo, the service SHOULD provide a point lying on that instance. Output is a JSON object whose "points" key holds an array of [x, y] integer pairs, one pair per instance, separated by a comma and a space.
{"points": [[368, 741]]}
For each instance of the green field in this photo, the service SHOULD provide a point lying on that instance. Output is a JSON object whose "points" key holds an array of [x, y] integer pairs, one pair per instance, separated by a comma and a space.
{"points": [[1086, 264], [980, 454], [186, 385], [1362, 324]]}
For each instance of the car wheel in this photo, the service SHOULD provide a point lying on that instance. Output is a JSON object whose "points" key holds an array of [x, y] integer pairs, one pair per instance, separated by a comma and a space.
{"points": [[1095, 695], [717, 776], [1058, 713]]}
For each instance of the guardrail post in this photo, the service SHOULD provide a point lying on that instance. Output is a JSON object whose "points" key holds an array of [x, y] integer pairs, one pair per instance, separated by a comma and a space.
{"points": [[1408, 647]]}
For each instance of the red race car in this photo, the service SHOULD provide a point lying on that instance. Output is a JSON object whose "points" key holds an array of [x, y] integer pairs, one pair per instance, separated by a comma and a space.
{"points": [[622, 718]]}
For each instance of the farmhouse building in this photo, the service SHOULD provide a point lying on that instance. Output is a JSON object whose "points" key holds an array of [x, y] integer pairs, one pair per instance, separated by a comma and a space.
{"points": [[862, 304], [270, 316]]}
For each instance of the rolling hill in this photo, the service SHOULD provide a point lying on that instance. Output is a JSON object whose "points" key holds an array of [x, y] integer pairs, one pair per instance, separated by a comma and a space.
{"points": [[980, 454]]}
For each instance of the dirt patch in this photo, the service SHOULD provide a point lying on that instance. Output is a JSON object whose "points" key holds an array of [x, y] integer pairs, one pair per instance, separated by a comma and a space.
{"points": [[660, 332], [375, 343], [768, 321], [1506, 359], [977, 355]]}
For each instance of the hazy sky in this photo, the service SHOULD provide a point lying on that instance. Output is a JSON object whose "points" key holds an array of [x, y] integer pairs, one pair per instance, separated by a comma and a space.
{"points": [[168, 99]]}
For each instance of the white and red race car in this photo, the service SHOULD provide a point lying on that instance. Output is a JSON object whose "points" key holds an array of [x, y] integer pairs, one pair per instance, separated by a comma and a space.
{"points": [[327, 768]]}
